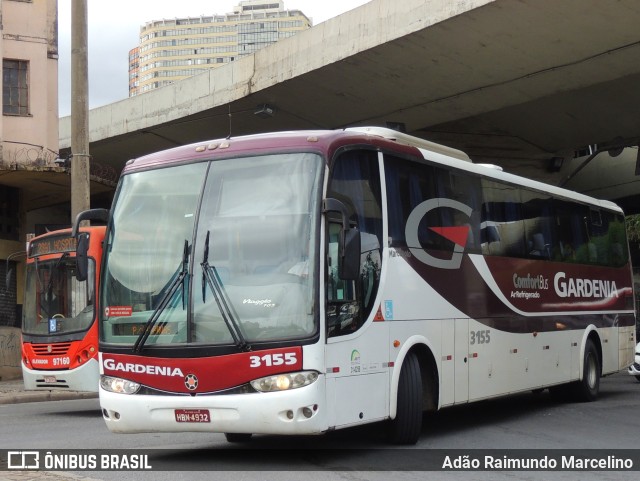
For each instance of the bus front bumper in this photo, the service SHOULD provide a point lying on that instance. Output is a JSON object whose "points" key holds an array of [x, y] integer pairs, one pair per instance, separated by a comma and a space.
{"points": [[298, 411], [82, 378]]}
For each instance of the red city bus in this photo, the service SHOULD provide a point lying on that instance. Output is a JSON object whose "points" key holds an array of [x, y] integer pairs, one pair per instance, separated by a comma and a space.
{"points": [[59, 328], [301, 282]]}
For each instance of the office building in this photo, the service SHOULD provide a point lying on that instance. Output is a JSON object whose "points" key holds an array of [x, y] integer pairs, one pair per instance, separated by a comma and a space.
{"points": [[174, 49]]}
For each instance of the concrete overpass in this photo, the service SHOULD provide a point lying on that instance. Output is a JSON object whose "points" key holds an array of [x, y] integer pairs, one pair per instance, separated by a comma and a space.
{"points": [[511, 82]]}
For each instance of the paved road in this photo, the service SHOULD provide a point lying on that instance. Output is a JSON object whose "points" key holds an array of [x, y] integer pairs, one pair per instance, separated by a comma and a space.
{"points": [[524, 421]]}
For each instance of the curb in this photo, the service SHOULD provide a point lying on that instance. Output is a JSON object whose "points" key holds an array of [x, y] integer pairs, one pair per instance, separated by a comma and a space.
{"points": [[35, 396]]}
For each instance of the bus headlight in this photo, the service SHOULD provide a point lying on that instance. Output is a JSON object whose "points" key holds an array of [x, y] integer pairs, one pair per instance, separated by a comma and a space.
{"points": [[284, 382], [118, 385]]}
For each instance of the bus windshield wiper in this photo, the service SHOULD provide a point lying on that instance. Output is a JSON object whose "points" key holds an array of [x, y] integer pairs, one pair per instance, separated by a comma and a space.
{"points": [[210, 276], [177, 282]]}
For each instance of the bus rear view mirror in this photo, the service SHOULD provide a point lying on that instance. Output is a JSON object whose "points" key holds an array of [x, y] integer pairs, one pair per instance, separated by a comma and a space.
{"points": [[101, 215], [82, 245], [82, 261]]}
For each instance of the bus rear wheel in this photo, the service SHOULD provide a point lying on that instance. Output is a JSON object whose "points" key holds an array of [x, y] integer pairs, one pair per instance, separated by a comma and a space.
{"points": [[407, 425], [588, 388]]}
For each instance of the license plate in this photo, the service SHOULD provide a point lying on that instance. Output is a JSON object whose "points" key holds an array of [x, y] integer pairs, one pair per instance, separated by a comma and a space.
{"points": [[192, 416], [50, 379]]}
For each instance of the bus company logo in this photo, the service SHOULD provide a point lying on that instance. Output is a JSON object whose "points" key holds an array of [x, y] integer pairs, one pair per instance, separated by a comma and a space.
{"points": [[456, 234], [191, 382], [355, 362], [572, 287], [168, 371]]}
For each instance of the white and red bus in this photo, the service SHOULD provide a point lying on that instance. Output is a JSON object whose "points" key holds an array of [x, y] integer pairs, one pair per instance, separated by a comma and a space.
{"points": [[59, 327], [301, 282]]}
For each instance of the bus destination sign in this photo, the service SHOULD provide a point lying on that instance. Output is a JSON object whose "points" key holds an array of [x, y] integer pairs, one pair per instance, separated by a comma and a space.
{"points": [[51, 245]]}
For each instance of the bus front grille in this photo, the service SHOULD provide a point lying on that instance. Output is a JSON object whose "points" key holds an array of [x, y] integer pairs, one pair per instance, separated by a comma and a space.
{"points": [[54, 349]]}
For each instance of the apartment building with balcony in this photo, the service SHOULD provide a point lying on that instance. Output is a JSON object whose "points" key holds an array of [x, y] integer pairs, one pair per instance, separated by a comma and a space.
{"points": [[174, 49]]}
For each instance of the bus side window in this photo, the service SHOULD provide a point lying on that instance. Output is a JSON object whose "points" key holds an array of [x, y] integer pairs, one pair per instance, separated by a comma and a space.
{"points": [[607, 236], [539, 226], [502, 223], [467, 190], [571, 232]]}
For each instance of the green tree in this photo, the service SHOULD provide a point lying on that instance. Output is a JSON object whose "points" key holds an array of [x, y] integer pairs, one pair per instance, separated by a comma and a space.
{"points": [[633, 227]]}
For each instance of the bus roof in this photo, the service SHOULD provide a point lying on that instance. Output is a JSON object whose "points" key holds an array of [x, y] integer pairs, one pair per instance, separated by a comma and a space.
{"points": [[328, 141]]}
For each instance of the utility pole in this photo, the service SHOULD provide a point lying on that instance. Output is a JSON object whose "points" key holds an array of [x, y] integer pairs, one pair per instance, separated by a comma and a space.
{"points": [[79, 109]]}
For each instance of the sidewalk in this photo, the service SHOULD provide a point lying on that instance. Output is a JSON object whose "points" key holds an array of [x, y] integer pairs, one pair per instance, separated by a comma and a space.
{"points": [[13, 392]]}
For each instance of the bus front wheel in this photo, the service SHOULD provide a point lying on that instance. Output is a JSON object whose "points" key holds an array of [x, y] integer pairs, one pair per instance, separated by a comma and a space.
{"points": [[407, 425]]}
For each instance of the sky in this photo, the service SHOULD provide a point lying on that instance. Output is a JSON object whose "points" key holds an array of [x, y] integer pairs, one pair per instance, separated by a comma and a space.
{"points": [[114, 29]]}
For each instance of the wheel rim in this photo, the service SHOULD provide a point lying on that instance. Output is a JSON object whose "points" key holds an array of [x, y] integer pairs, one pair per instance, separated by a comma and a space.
{"points": [[592, 372]]}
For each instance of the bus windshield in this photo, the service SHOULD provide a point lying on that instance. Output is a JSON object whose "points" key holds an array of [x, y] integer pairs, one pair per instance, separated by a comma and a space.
{"points": [[61, 303], [214, 253]]}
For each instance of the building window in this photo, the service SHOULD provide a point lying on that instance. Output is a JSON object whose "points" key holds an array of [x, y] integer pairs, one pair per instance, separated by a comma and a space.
{"points": [[15, 87], [10, 311], [9, 209]]}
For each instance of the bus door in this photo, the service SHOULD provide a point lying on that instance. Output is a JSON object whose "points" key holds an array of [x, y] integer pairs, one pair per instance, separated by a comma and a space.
{"points": [[357, 351]]}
